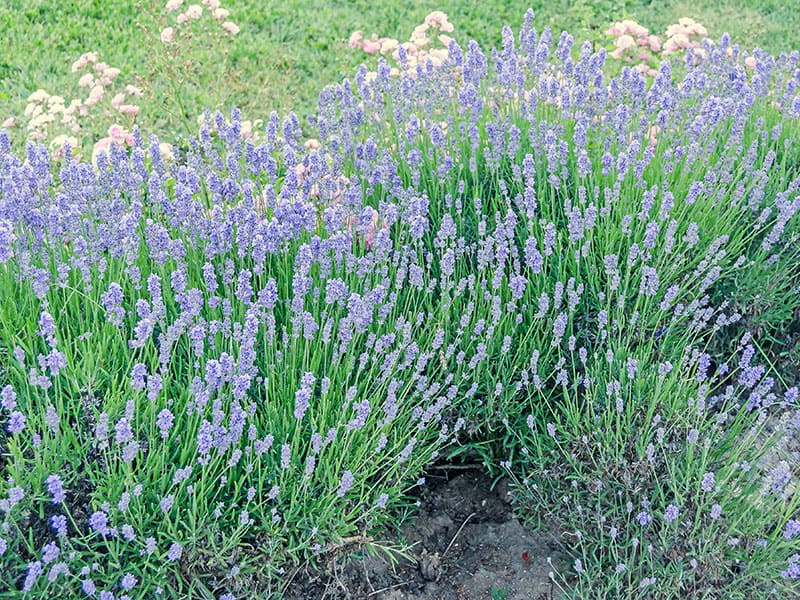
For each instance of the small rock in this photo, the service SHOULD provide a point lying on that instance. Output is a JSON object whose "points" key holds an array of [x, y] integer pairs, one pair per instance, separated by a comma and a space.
{"points": [[430, 565]]}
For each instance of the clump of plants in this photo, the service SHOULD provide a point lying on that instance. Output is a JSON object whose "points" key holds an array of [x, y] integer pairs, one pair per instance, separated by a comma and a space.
{"points": [[221, 367]]}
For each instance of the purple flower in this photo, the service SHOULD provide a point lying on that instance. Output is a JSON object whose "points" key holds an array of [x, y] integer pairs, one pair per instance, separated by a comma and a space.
{"points": [[345, 484], [716, 511], [138, 374], [167, 502], [301, 402], [16, 422], [286, 454], [47, 325], [112, 301], [559, 327], [362, 409], [123, 431], [175, 551], [8, 398], [88, 587], [707, 484], [671, 514], [164, 422], [128, 582], [518, 285], [128, 533], [98, 521], [33, 571], [644, 518], [50, 552], [153, 387], [59, 524], [149, 546], [56, 489], [792, 529]]}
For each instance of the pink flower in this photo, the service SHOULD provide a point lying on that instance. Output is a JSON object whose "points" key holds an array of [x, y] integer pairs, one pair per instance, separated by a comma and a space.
{"points": [[38, 96], [633, 28], [79, 64], [174, 4], [129, 109], [195, 11], [133, 90], [373, 227], [211, 4], [8, 123], [388, 45], [117, 132], [698, 29], [624, 42], [750, 62], [168, 35], [312, 144], [652, 134], [438, 20], [95, 95], [355, 39], [111, 72], [117, 100], [230, 27], [419, 37], [86, 80], [675, 43], [166, 151], [181, 18], [85, 59], [411, 49], [655, 43], [676, 29], [616, 29], [102, 145], [220, 14], [371, 46]]}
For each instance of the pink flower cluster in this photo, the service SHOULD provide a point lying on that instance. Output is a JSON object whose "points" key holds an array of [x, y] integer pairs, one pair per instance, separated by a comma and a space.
{"points": [[679, 37], [634, 43], [194, 12], [50, 116], [98, 79], [420, 49]]}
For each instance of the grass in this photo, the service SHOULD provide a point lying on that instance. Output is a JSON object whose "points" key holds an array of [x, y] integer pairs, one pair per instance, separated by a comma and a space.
{"points": [[288, 50]]}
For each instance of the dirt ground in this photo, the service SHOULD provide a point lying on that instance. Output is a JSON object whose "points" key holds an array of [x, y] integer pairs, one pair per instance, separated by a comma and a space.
{"points": [[467, 545]]}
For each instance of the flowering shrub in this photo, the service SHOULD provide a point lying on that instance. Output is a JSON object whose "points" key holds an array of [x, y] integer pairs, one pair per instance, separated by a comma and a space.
{"points": [[220, 366]]}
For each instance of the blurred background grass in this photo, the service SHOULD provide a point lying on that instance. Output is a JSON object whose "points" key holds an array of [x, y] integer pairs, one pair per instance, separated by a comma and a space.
{"points": [[288, 50]]}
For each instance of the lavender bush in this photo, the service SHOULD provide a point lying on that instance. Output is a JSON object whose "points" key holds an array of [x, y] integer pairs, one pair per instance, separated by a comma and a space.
{"points": [[215, 369]]}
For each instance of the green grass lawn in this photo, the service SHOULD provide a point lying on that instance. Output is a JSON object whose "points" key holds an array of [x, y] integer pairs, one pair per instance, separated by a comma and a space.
{"points": [[288, 50]]}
